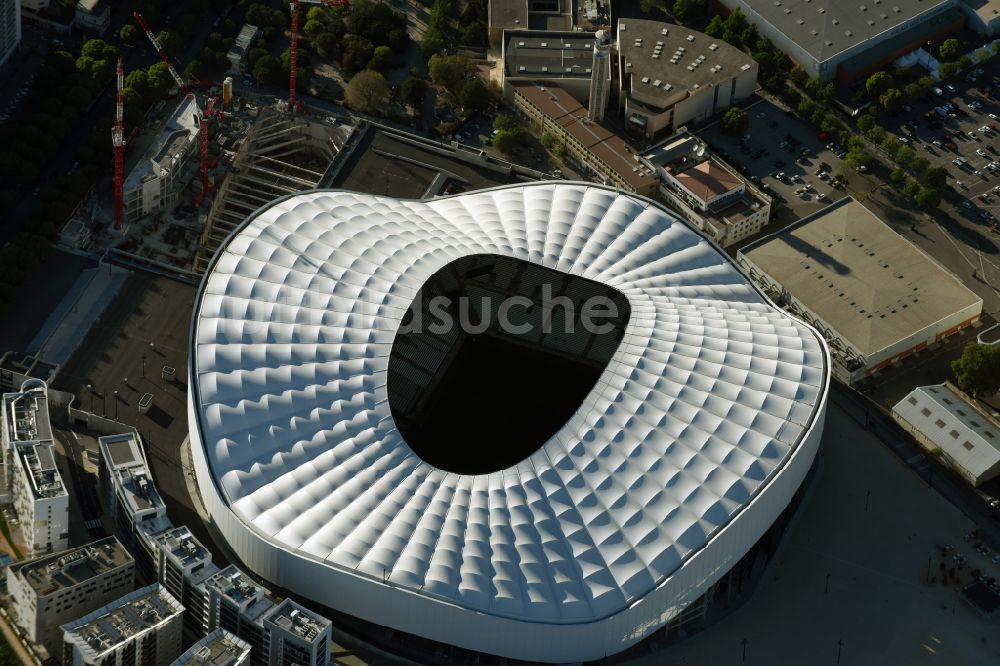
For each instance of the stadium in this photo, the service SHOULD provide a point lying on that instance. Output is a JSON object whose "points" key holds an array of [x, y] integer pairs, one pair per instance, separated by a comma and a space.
{"points": [[518, 484]]}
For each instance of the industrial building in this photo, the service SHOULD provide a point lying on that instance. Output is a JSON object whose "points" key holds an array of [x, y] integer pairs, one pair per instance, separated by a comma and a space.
{"points": [[566, 58], [670, 76], [849, 40], [706, 191], [874, 296], [31, 480], [608, 155], [50, 591], [631, 506], [131, 499], [297, 636], [157, 180], [947, 423], [10, 29], [92, 16], [142, 628], [219, 648]]}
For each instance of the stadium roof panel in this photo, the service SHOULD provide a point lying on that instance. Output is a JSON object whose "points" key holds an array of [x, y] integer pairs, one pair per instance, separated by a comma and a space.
{"points": [[706, 417]]}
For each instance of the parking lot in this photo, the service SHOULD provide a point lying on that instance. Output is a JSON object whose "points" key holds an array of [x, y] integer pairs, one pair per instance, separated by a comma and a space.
{"points": [[785, 154]]}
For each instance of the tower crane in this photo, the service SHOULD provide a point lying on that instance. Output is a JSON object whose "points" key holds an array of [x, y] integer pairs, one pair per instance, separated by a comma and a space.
{"points": [[293, 51], [210, 115], [118, 143], [181, 86]]}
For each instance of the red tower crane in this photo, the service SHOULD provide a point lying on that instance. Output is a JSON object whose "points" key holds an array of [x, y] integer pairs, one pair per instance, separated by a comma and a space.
{"points": [[181, 86], [118, 142], [293, 51], [210, 115]]}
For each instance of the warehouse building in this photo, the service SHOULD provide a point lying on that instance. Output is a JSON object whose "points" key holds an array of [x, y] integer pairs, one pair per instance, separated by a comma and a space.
{"points": [[142, 628], [670, 75], [944, 421], [50, 591], [874, 296], [849, 40], [707, 192]]}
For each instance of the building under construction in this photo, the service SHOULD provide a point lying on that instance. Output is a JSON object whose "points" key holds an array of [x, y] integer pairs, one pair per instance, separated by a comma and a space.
{"points": [[282, 154]]}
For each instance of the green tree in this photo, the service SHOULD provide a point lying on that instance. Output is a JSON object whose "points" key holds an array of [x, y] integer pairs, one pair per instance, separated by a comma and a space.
{"points": [[965, 62], [735, 121], [689, 10], [474, 34], [949, 69], [876, 134], [891, 99], [950, 49], [128, 34], [912, 91], [268, 70], [865, 123], [925, 82], [897, 176], [858, 158], [877, 84], [194, 71], [904, 154], [715, 27], [96, 49], [414, 92], [450, 71], [813, 85], [325, 44], [169, 40], [935, 177], [798, 75], [928, 199], [381, 59], [649, 7], [508, 140], [919, 164], [473, 96], [356, 53], [911, 189], [367, 91], [549, 141], [977, 371], [504, 122]]}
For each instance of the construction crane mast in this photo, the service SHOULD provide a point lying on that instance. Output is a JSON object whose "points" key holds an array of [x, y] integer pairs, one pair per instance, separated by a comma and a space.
{"points": [[118, 142], [210, 115], [181, 86], [293, 51]]}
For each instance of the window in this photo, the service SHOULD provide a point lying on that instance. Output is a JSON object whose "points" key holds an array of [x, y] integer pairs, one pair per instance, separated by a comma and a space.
{"points": [[925, 411], [954, 434], [939, 423], [967, 445], [911, 399]]}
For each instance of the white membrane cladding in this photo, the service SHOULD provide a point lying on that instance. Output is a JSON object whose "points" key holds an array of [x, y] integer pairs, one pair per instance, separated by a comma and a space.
{"points": [[710, 395]]}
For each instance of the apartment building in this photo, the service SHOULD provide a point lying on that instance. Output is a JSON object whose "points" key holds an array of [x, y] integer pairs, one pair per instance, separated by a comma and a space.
{"points": [[184, 565], [10, 29], [140, 629], [32, 480], [50, 591], [296, 636], [219, 648]]}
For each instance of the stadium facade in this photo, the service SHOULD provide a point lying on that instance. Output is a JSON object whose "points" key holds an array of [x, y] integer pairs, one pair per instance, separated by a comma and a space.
{"points": [[704, 415]]}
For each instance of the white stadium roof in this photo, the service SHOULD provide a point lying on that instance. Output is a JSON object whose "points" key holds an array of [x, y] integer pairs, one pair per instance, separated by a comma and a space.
{"points": [[690, 444]]}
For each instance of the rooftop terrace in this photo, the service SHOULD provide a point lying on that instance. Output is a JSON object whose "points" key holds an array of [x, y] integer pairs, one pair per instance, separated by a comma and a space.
{"points": [[70, 568]]}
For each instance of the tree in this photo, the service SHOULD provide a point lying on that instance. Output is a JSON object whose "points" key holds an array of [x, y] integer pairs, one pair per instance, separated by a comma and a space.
{"points": [[431, 44], [414, 92], [949, 69], [928, 199], [981, 55], [965, 62], [858, 158], [549, 141], [268, 70], [504, 122], [715, 28], [648, 7], [506, 141], [912, 91], [904, 154], [798, 75], [877, 134], [813, 85], [897, 176], [194, 71], [474, 34], [935, 177], [919, 164], [380, 59], [877, 84], [367, 91], [950, 49], [891, 99], [735, 121], [128, 34], [169, 40], [978, 369], [357, 53], [865, 123], [911, 189], [325, 44], [96, 49], [688, 10], [450, 71], [473, 96], [827, 94]]}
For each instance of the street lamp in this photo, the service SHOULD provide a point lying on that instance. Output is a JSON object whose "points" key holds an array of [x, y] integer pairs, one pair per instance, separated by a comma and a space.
{"points": [[143, 373], [745, 641], [116, 405], [840, 646], [90, 390]]}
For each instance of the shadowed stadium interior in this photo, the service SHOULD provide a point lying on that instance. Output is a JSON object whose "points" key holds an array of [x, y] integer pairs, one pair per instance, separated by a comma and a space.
{"points": [[473, 396]]}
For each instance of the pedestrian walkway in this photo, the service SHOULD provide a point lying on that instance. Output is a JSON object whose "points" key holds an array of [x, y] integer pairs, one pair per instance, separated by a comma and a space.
{"points": [[79, 309]]}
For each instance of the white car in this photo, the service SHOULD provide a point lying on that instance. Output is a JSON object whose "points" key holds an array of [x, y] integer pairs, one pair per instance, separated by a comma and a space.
{"points": [[992, 116], [974, 137], [980, 152]]}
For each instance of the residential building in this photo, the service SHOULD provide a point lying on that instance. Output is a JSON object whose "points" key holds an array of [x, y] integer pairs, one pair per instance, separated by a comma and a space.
{"points": [[601, 150], [184, 565], [131, 499], [237, 604], [155, 183], [874, 296], [10, 29], [142, 628], [237, 54], [32, 480], [947, 423], [297, 637], [849, 40], [93, 16], [670, 76], [707, 192], [219, 648], [50, 591]]}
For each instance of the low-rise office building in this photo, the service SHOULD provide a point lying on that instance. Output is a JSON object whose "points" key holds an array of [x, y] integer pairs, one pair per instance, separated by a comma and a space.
{"points": [[601, 150], [536, 15], [564, 58], [706, 191], [219, 648], [874, 296], [155, 183], [947, 423], [50, 591], [297, 636], [670, 76], [92, 16], [30, 476], [142, 628]]}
